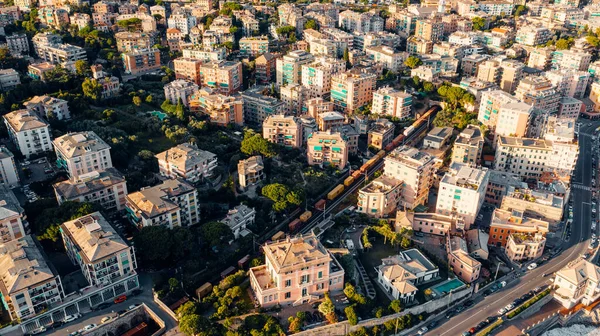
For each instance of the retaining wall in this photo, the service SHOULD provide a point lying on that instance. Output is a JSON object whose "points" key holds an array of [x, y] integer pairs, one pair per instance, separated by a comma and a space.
{"points": [[164, 307]]}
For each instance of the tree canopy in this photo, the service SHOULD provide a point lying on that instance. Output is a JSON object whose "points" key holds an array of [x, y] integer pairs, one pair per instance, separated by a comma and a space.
{"points": [[413, 62], [478, 23], [254, 144], [281, 195]]}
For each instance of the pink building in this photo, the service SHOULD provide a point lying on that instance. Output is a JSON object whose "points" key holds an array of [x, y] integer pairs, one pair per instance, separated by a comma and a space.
{"points": [[296, 270]]}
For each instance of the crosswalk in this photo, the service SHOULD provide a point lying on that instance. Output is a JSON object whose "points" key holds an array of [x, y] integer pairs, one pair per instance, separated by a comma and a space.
{"points": [[582, 187]]}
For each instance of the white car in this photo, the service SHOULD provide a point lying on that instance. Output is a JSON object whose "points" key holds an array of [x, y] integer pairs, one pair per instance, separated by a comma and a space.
{"points": [[532, 266], [71, 318], [502, 311], [509, 307], [89, 327], [38, 330], [423, 331]]}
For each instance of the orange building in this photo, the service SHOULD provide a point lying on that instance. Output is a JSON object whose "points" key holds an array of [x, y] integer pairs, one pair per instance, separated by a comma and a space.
{"points": [[507, 222], [188, 69]]}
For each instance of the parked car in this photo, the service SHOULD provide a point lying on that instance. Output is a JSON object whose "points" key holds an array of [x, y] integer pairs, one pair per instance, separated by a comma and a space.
{"points": [[120, 299], [509, 306], [102, 306], [89, 327], [423, 330], [502, 311], [121, 312], [532, 266], [71, 318], [38, 330], [105, 319], [132, 306], [432, 325]]}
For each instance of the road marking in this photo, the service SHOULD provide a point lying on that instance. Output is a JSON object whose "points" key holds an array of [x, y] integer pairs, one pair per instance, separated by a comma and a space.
{"points": [[582, 187]]}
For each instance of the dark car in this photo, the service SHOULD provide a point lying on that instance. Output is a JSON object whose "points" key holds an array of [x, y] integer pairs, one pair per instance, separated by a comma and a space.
{"points": [[432, 325], [309, 317], [317, 316], [450, 313], [468, 303], [103, 306], [121, 312], [136, 292]]}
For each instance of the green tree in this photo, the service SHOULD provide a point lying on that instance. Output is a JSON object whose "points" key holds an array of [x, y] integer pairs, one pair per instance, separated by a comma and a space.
{"points": [[351, 315], [520, 10], [396, 306], [254, 144], [281, 195], [478, 23], [173, 284], [215, 233], [180, 110], [593, 41], [428, 87], [92, 89], [149, 99], [194, 325], [562, 44], [146, 241], [188, 308], [347, 58], [311, 24], [82, 68], [257, 262], [413, 62], [327, 308]]}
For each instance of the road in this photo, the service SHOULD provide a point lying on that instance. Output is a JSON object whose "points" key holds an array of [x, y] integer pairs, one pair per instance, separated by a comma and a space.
{"points": [[576, 246]]}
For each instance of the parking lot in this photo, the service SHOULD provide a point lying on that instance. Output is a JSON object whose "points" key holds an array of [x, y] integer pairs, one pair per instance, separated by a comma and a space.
{"points": [[36, 171]]}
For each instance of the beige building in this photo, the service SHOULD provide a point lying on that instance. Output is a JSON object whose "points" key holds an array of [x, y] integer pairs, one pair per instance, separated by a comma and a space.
{"points": [[222, 110], [459, 260], [297, 270], [327, 148], [131, 41], [82, 153], [293, 97], [330, 121], [187, 162], [391, 102], [431, 223], [352, 90], [49, 107], [380, 197], [536, 204], [179, 90], [507, 222], [28, 284], [578, 282], [522, 247], [315, 106], [224, 77], [171, 203], [283, 130], [250, 171], [415, 169], [513, 120], [188, 69], [468, 146], [491, 103], [107, 188], [538, 92], [381, 134], [12, 216], [500, 184]]}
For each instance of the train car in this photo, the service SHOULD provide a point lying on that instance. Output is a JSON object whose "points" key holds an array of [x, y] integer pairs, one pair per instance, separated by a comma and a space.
{"points": [[356, 174], [409, 130], [230, 270], [279, 235], [398, 140], [389, 147], [335, 192], [380, 155], [348, 181], [204, 290], [295, 225], [242, 263], [320, 205], [305, 216]]}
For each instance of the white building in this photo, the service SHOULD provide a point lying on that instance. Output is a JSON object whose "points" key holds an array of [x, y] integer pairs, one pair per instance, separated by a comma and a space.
{"points": [[12, 216], [390, 59], [9, 79], [186, 161], [8, 169], [82, 153], [181, 20], [238, 219], [29, 132], [180, 89], [569, 83], [578, 282], [108, 188], [316, 75], [49, 107], [391, 102]]}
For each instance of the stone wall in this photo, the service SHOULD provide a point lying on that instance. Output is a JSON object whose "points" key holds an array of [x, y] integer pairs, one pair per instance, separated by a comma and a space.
{"points": [[164, 307], [534, 308], [127, 321]]}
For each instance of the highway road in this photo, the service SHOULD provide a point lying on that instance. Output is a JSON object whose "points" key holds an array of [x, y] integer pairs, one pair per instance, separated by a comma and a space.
{"points": [[577, 245]]}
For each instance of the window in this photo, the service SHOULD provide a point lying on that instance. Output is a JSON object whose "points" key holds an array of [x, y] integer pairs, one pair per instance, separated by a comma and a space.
{"points": [[288, 295], [320, 275], [288, 283]]}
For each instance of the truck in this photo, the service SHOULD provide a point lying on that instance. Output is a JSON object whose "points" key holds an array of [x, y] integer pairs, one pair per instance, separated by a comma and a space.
{"points": [[320, 205], [335, 192], [305, 216], [279, 235]]}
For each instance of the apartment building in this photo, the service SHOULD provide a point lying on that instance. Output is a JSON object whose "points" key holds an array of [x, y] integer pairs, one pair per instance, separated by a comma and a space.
{"points": [[569, 108], [289, 67], [29, 132], [250, 171], [172, 203], [360, 22], [317, 106], [418, 46], [9, 79], [531, 157], [540, 58], [111, 85], [522, 247], [224, 77], [491, 103], [92, 244], [391, 102], [513, 120], [254, 46], [470, 64], [81, 153], [334, 121], [49, 107], [222, 110], [283, 130], [532, 36], [578, 282], [12, 216], [211, 54], [29, 284], [391, 59], [132, 41], [468, 147], [431, 223], [293, 97], [380, 197], [60, 53], [569, 83], [316, 75], [238, 219], [381, 134], [460, 261], [399, 274], [462, 192], [38, 71], [186, 161], [438, 137], [296, 270], [573, 59], [496, 8], [106, 188], [9, 175], [512, 73], [18, 44], [54, 17], [595, 96], [508, 222], [258, 105], [180, 90], [181, 20], [430, 29], [324, 47], [187, 69], [140, 61], [265, 67], [538, 204], [327, 149], [415, 169], [352, 90], [500, 184]]}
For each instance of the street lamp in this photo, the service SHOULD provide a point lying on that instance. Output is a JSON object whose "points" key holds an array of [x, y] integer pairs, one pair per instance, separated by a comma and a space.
{"points": [[497, 269]]}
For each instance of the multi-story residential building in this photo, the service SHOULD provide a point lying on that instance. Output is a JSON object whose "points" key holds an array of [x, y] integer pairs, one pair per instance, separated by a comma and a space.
{"points": [[107, 188], [53, 17], [204, 54], [459, 260], [172, 203], [360, 22], [38, 71], [352, 90], [578, 282], [111, 85], [381, 134], [179, 90], [49, 107], [18, 44], [293, 97], [390, 59], [258, 105], [224, 77], [507, 222], [182, 20], [296, 270], [539, 204], [12, 216], [512, 73], [400, 274], [283, 130], [532, 36], [468, 146], [250, 171], [140, 61], [254, 46], [513, 120], [188, 69], [81, 153], [431, 223], [327, 148], [491, 103], [265, 68], [532, 157], [93, 245], [289, 67], [9, 175], [430, 29], [462, 192], [222, 110], [81, 20], [496, 8], [132, 41], [595, 96], [569, 83], [316, 75], [205, 5], [500, 184], [29, 132], [317, 106], [570, 108], [574, 59], [418, 46], [540, 58], [380, 197], [415, 169], [438, 137], [522, 247], [238, 219], [9, 79], [29, 284], [59, 53], [391, 102], [186, 161]]}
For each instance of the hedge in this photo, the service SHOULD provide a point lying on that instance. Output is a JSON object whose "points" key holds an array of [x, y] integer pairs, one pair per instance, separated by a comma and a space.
{"points": [[491, 327], [528, 304]]}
